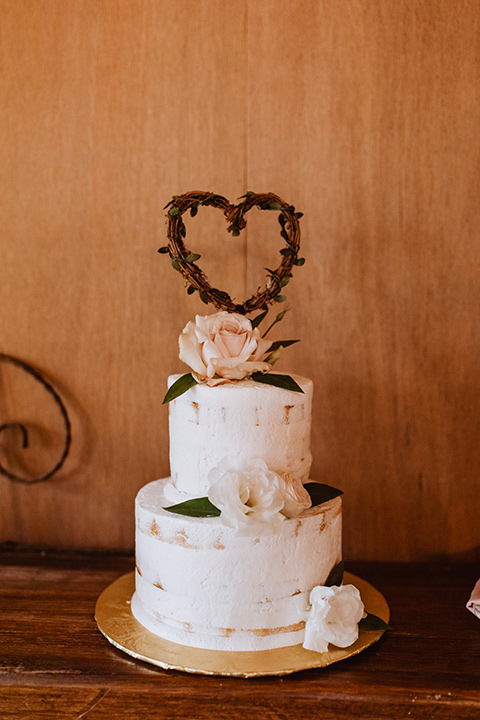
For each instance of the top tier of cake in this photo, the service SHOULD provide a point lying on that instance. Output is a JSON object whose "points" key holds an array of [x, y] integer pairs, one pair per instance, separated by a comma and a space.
{"points": [[246, 420]]}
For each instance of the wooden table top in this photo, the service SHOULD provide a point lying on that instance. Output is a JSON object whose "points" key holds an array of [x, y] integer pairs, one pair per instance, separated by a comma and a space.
{"points": [[54, 663]]}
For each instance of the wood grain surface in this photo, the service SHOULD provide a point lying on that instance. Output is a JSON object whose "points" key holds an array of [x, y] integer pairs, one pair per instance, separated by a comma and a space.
{"points": [[362, 114], [55, 664]]}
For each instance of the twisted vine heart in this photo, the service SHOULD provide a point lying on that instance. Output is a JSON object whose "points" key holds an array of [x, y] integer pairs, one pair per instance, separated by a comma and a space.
{"points": [[184, 260]]}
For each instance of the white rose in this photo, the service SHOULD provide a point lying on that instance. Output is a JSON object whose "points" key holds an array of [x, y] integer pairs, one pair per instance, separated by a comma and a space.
{"points": [[224, 345], [248, 495], [333, 617], [296, 497]]}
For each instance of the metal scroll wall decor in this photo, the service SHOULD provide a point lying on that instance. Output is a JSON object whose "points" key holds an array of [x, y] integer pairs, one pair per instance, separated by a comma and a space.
{"points": [[23, 430]]}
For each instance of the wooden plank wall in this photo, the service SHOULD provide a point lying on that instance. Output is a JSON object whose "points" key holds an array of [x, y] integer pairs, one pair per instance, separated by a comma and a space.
{"points": [[365, 115]]}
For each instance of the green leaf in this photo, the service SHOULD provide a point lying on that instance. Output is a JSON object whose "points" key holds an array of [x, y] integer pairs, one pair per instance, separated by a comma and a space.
{"points": [[163, 250], [335, 576], [171, 202], [281, 381], [193, 257], [204, 297], [175, 263], [179, 387], [273, 274], [281, 343], [198, 507], [191, 290], [280, 298], [373, 622], [287, 251], [235, 232], [173, 211], [300, 261], [321, 493], [275, 205], [258, 319], [193, 210]]}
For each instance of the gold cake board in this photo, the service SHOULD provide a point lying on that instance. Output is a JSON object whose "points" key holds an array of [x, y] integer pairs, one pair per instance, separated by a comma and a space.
{"points": [[115, 620]]}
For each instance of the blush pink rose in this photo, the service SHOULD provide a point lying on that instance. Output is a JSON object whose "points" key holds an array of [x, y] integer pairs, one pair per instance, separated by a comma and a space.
{"points": [[223, 345], [296, 498]]}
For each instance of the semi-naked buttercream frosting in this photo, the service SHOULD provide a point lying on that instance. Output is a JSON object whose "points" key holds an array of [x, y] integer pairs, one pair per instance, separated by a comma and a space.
{"points": [[247, 420], [202, 582], [199, 583]]}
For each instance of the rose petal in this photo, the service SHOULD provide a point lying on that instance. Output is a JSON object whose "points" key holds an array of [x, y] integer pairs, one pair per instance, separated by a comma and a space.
{"points": [[189, 349], [235, 344]]}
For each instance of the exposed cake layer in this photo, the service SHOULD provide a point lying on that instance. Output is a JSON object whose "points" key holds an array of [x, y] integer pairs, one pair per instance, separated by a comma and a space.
{"points": [[199, 584], [248, 420]]}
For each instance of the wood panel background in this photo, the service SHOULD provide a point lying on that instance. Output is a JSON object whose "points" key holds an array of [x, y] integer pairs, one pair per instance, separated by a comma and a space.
{"points": [[365, 115]]}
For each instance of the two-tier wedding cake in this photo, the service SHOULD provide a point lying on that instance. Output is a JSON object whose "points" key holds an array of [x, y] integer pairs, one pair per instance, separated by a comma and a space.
{"points": [[238, 550]]}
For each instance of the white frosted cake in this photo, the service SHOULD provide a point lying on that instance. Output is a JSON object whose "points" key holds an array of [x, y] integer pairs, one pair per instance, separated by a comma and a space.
{"points": [[210, 582]]}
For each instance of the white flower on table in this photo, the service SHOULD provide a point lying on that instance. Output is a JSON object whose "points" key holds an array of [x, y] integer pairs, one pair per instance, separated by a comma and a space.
{"points": [[249, 496], [223, 345], [333, 617]]}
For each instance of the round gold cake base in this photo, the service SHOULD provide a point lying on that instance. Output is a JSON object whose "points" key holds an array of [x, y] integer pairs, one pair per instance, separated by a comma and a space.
{"points": [[115, 620]]}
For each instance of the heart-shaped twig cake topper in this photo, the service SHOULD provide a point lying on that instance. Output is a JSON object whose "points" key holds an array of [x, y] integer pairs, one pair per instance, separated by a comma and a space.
{"points": [[184, 260]]}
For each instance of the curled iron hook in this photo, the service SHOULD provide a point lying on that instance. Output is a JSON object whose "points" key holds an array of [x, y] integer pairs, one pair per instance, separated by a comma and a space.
{"points": [[23, 430]]}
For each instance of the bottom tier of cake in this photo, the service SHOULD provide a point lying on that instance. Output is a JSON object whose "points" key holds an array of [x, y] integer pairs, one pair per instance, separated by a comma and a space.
{"points": [[199, 583]]}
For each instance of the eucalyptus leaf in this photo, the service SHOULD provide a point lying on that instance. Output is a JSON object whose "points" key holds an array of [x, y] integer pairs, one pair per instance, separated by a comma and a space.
{"points": [[197, 507], [173, 210], [193, 210], [280, 298], [193, 257], [274, 205], [373, 622], [179, 387], [175, 263], [300, 261], [321, 493], [281, 381], [164, 250], [335, 576]]}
